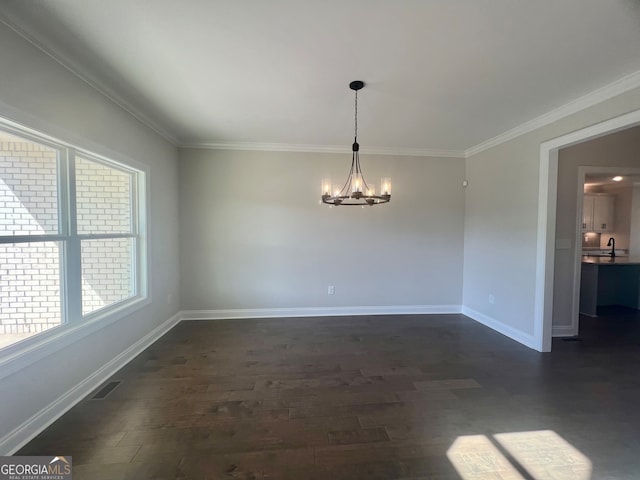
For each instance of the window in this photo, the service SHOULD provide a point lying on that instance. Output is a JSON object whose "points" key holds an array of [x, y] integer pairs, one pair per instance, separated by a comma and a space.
{"points": [[105, 214], [71, 242]]}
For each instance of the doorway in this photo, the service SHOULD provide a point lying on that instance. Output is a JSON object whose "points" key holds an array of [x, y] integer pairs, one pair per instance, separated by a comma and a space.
{"points": [[607, 236], [546, 237]]}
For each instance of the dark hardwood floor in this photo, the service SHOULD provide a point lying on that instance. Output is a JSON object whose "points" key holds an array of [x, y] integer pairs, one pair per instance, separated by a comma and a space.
{"points": [[390, 397]]}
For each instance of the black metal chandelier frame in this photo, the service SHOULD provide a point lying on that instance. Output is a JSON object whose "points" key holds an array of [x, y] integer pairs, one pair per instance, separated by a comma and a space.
{"points": [[356, 191]]}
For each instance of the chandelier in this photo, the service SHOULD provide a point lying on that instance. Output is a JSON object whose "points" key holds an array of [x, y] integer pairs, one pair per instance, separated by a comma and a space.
{"points": [[356, 191]]}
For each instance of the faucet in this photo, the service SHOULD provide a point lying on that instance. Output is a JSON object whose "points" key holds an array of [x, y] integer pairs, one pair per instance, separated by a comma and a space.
{"points": [[612, 244]]}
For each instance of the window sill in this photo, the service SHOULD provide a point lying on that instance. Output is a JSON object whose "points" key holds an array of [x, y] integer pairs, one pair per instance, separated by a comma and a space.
{"points": [[18, 356]]}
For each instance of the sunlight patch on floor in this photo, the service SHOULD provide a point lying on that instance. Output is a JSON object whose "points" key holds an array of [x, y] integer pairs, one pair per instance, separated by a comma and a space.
{"points": [[537, 455], [475, 457], [545, 454]]}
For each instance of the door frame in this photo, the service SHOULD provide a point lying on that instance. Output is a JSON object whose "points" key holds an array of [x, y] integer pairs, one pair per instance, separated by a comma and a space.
{"points": [[546, 231]]}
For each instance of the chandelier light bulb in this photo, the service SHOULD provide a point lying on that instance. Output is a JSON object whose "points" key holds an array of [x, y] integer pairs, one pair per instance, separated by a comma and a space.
{"points": [[357, 183], [326, 187], [385, 187]]}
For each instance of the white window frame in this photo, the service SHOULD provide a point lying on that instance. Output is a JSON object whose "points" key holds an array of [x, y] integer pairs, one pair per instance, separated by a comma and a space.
{"points": [[74, 325]]}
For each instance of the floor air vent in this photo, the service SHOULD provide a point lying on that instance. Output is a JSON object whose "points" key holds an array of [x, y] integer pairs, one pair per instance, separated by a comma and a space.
{"points": [[106, 390], [572, 339]]}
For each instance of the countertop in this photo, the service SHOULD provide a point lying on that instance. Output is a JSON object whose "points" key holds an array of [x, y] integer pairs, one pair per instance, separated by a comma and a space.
{"points": [[626, 260]]}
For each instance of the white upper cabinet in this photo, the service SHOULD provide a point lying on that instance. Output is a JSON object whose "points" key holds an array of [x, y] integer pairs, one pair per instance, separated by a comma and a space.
{"points": [[587, 213], [598, 213]]}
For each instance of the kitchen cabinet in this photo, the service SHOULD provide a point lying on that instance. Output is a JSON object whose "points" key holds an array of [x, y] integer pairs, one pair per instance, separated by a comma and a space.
{"points": [[598, 213]]}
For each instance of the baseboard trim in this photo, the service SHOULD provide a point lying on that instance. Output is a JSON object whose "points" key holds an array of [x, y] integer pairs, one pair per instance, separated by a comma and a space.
{"points": [[563, 331], [514, 334], [21, 435], [240, 313]]}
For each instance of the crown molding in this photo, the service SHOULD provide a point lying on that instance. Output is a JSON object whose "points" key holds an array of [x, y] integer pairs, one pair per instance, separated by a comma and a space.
{"points": [[305, 148], [75, 69], [618, 87]]}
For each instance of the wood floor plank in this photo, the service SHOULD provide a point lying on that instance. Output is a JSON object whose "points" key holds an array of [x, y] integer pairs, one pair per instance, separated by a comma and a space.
{"points": [[365, 435], [375, 452], [449, 384], [103, 455], [335, 399], [325, 424]]}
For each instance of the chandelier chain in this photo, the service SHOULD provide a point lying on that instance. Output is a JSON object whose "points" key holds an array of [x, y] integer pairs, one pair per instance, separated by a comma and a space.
{"points": [[355, 137]]}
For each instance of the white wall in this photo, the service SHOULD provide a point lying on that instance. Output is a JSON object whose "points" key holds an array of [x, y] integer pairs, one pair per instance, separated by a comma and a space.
{"points": [[501, 220], [255, 236], [500, 236], [40, 93]]}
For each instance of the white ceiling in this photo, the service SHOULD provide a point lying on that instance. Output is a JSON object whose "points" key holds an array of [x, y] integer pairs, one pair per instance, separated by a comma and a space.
{"points": [[442, 75], [602, 179]]}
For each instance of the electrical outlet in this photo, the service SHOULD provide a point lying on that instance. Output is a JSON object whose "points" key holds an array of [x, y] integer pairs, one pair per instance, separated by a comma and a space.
{"points": [[169, 299], [331, 290], [491, 299]]}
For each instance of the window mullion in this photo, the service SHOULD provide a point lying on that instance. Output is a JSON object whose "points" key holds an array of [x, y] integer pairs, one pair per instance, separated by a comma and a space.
{"points": [[135, 229], [100, 236], [32, 238], [63, 230], [134, 203], [141, 274], [72, 264]]}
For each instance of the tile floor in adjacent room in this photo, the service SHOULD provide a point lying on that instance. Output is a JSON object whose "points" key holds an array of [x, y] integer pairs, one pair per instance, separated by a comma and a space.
{"points": [[373, 397]]}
